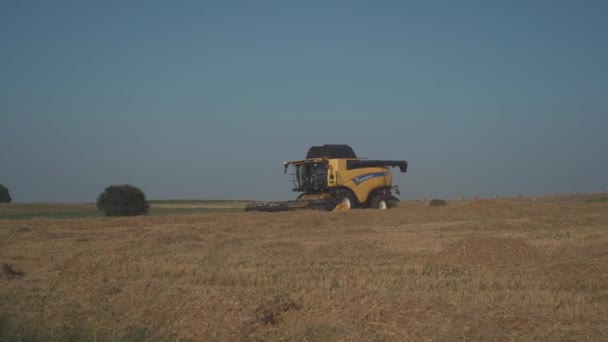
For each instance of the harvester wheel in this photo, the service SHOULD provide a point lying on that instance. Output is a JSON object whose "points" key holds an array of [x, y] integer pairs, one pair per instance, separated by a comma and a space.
{"points": [[346, 198], [378, 202]]}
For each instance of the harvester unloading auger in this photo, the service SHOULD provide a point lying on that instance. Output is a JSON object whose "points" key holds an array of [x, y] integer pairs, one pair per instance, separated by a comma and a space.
{"points": [[332, 178]]}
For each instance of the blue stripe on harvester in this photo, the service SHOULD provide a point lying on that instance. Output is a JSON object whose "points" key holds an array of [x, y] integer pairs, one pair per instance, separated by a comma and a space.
{"points": [[363, 178]]}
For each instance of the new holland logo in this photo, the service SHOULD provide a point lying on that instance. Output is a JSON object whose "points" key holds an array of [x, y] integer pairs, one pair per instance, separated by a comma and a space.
{"points": [[363, 178]]}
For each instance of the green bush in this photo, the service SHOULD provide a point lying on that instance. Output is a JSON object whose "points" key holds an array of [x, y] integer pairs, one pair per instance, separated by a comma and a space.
{"points": [[437, 202], [5, 196], [122, 200]]}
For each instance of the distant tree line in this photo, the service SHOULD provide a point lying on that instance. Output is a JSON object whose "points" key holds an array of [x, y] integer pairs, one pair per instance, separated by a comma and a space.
{"points": [[115, 200]]}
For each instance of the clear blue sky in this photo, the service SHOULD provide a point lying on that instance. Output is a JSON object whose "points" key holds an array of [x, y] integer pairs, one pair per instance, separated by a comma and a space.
{"points": [[197, 99]]}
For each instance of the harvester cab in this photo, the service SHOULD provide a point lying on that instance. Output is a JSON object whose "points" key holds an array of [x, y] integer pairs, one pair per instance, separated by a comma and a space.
{"points": [[332, 178]]}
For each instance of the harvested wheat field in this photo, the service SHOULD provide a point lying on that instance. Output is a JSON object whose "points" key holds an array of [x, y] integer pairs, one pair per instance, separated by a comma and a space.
{"points": [[489, 270]]}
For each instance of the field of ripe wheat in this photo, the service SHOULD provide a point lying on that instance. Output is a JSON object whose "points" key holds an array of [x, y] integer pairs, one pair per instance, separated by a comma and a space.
{"points": [[501, 269]]}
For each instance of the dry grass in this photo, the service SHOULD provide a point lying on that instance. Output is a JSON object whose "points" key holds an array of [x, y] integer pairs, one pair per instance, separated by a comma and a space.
{"points": [[489, 251], [22, 211], [483, 270]]}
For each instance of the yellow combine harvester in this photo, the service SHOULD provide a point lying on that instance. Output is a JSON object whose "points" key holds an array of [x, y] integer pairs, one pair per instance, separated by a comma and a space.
{"points": [[332, 178]]}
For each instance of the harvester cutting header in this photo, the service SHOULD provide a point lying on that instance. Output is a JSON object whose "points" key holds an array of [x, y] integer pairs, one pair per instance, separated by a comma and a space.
{"points": [[332, 178]]}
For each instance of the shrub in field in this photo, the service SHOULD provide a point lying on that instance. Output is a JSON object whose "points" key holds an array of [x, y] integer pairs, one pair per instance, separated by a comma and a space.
{"points": [[5, 196], [122, 200], [437, 202]]}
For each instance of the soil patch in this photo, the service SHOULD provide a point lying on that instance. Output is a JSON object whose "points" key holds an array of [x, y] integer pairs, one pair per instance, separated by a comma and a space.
{"points": [[10, 272], [274, 307]]}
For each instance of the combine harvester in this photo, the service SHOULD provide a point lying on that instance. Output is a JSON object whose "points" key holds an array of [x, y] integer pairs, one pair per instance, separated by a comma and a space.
{"points": [[332, 178]]}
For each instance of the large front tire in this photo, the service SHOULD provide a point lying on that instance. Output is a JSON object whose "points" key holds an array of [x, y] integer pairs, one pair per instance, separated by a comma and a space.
{"points": [[347, 198]]}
